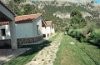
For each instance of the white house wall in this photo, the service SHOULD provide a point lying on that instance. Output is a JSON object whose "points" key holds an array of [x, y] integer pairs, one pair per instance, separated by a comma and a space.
{"points": [[52, 31], [46, 31], [6, 27]]}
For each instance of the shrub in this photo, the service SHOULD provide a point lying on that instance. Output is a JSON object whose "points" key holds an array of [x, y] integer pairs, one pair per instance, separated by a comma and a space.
{"points": [[95, 38], [76, 34], [77, 21]]}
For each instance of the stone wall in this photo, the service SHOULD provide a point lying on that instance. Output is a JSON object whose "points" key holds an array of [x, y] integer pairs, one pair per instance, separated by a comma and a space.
{"points": [[21, 41]]}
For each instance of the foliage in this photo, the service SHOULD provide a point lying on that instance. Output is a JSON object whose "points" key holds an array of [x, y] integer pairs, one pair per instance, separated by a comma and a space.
{"points": [[17, 1], [76, 34], [86, 34], [95, 37], [77, 21], [75, 12], [27, 9]]}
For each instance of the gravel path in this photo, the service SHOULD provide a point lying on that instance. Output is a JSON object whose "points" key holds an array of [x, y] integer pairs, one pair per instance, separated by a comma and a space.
{"points": [[48, 54]]}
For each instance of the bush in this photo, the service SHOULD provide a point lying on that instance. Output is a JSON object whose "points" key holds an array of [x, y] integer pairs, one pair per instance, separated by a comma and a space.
{"points": [[69, 31], [95, 38], [77, 21], [76, 34]]}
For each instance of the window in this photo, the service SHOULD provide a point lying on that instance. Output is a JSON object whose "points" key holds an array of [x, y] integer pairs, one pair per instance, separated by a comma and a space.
{"points": [[44, 35], [37, 29], [3, 32]]}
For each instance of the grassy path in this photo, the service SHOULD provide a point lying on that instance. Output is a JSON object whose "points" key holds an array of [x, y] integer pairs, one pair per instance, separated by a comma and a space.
{"points": [[47, 55], [71, 52]]}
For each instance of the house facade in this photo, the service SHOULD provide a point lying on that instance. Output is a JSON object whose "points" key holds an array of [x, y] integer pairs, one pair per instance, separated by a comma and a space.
{"points": [[7, 15], [47, 29], [28, 29]]}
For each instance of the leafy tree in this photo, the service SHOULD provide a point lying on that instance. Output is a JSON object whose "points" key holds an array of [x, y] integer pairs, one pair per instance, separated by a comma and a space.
{"points": [[77, 21], [76, 12], [19, 1], [27, 9]]}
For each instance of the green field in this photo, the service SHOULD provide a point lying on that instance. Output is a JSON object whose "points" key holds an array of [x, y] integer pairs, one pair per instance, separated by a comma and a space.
{"points": [[72, 52]]}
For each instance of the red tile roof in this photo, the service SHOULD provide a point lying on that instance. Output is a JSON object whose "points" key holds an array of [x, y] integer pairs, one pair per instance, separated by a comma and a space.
{"points": [[47, 23], [24, 18], [4, 23]]}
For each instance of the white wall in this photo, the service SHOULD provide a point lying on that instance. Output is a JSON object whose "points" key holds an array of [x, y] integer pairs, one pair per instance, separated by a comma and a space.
{"points": [[52, 30], [6, 27], [48, 30], [44, 30]]}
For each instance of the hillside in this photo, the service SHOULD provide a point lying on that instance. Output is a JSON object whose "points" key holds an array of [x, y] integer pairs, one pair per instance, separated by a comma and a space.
{"points": [[57, 11], [72, 1]]}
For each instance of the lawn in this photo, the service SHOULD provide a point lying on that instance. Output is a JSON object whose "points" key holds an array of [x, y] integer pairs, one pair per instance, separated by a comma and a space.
{"points": [[72, 52], [27, 56]]}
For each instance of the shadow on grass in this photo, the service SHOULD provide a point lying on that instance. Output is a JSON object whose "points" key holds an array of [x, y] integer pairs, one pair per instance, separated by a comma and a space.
{"points": [[95, 44], [35, 47]]}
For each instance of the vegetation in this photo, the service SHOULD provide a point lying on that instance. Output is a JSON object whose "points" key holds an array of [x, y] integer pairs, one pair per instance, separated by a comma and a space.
{"points": [[72, 52], [59, 23], [77, 21], [82, 29]]}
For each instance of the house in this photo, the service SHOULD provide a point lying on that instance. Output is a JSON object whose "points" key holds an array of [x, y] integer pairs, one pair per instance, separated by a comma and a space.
{"points": [[28, 29], [7, 15], [47, 29]]}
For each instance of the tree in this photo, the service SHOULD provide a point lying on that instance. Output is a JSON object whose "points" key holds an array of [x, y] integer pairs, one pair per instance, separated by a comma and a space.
{"points": [[75, 12], [19, 1], [77, 21], [27, 9]]}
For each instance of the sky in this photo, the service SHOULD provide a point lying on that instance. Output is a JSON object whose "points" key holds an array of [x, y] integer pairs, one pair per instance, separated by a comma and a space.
{"points": [[98, 1]]}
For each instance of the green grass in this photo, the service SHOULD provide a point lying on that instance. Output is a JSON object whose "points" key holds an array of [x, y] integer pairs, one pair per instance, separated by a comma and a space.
{"points": [[77, 54]]}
